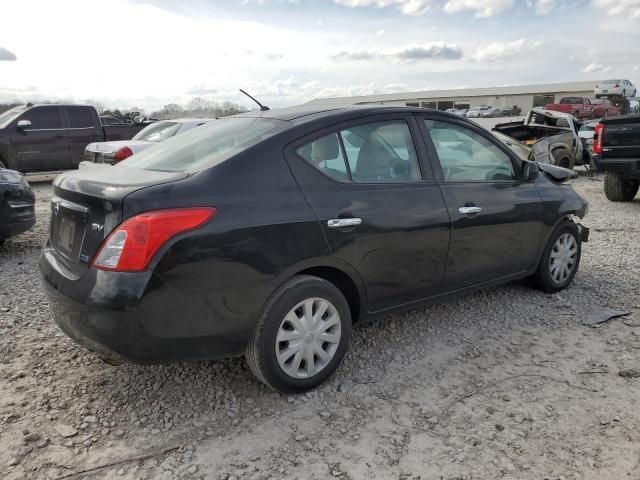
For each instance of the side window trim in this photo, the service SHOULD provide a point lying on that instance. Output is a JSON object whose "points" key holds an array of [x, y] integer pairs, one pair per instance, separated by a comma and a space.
{"points": [[66, 114], [424, 164], [437, 166]]}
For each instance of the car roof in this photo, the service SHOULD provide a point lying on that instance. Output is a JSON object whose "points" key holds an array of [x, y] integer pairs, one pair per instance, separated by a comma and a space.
{"points": [[303, 114], [188, 120]]}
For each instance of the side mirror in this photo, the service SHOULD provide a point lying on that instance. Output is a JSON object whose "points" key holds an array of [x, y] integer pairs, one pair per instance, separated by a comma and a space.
{"points": [[23, 124], [529, 171]]}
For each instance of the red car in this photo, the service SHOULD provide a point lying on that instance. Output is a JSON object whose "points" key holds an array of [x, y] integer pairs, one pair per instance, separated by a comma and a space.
{"points": [[604, 108], [579, 107]]}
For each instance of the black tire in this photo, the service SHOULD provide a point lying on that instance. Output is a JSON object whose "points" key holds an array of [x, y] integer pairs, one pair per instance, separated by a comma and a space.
{"points": [[563, 158], [261, 351], [620, 189], [543, 278]]}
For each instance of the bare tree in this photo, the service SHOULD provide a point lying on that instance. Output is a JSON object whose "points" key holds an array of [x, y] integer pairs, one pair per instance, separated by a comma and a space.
{"points": [[97, 104]]}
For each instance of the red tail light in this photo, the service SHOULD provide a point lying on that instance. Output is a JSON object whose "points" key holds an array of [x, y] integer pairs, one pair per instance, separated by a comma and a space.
{"points": [[121, 154], [598, 138], [617, 86], [132, 245]]}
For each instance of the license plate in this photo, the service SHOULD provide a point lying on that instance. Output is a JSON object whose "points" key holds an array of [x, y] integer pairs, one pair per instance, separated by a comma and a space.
{"points": [[66, 235], [605, 91]]}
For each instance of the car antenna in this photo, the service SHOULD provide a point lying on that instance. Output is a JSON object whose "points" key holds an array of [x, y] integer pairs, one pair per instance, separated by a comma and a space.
{"points": [[262, 107]]}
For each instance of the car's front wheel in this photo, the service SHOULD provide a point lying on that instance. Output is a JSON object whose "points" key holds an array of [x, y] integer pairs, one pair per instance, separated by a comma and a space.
{"points": [[560, 259], [302, 336]]}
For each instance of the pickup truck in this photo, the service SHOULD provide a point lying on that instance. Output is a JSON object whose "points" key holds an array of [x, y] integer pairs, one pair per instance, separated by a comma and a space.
{"points": [[552, 137], [616, 152], [579, 107], [53, 137]]}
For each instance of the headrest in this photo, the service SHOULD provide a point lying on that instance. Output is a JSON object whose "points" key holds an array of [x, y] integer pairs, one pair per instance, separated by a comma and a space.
{"points": [[325, 148]]}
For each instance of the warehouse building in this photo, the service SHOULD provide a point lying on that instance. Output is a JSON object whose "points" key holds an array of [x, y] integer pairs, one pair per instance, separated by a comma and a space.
{"points": [[525, 97]]}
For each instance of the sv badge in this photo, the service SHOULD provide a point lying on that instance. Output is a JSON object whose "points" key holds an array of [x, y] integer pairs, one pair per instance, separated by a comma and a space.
{"points": [[96, 227]]}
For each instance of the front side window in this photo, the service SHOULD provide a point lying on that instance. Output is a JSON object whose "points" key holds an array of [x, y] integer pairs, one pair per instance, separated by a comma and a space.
{"points": [[381, 152], [326, 155], [43, 118], [80, 117], [467, 156]]}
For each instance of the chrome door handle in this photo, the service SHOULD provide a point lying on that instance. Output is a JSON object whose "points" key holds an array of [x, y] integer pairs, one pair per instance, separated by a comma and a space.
{"points": [[468, 210], [343, 222]]}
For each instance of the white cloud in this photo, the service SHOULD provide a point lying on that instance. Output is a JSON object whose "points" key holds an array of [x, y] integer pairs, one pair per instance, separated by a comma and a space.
{"points": [[596, 68], [408, 7], [543, 7], [407, 53], [499, 51], [626, 8], [483, 8]]}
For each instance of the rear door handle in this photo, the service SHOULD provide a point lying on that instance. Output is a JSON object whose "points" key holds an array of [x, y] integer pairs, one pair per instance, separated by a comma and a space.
{"points": [[469, 210], [343, 222]]}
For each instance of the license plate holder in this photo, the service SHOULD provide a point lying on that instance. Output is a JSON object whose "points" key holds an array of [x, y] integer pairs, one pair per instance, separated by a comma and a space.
{"points": [[66, 235]]}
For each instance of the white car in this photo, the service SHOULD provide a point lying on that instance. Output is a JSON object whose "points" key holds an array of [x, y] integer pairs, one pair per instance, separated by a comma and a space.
{"points": [[477, 112], [114, 152], [615, 88], [456, 111]]}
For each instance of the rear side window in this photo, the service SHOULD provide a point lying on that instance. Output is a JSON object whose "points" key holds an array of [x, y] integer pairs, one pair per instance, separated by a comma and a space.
{"points": [[376, 152], [467, 156], [43, 118], [325, 154], [80, 117]]}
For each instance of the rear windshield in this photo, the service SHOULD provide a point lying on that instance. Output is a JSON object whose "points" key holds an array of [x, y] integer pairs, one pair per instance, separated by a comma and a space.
{"points": [[158, 132], [571, 100], [609, 82], [205, 146]]}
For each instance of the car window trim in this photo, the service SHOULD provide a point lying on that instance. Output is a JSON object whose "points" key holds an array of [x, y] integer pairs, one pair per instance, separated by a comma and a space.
{"points": [[437, 166], [426, 175], [34, 109], [66, 116]]}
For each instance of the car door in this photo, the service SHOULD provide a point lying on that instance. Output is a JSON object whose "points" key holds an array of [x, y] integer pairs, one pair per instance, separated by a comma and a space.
{"points": [[83, 127], [42, 145], [379, 211], [496, 216]]}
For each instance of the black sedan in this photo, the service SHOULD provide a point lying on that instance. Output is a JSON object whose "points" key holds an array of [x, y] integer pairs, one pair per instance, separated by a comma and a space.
{"points": [[17, 212], [270, 234]]}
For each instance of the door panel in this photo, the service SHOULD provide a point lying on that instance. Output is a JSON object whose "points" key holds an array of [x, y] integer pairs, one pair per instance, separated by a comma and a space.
{"points": [[43, 145], [400, 246], [82, 127], [496, 218]]}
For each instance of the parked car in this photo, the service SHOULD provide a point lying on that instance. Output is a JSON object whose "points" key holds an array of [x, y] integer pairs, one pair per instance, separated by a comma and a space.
{"points": [[111, 120], [114, 152], [53, 137], [603, 108], [616, 152], [491, 112], [456, 111], [579, 107], [520, 149], [17, 205], [270, 233], [586, 133], [615, 88], [552, 136], [476, 112], [512, 111]]}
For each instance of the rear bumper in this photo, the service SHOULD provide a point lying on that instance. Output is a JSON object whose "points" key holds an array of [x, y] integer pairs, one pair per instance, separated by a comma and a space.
{"points": [[134, 317], [625, 166]]}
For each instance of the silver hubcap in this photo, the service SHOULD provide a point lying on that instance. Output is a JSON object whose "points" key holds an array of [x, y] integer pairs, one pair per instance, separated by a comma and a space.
{"points": [[308, 338], [563, 258]]}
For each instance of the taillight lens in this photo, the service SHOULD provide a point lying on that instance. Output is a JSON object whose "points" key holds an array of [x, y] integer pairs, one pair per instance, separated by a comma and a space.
{"points": [[121, 154], [598, 138], [132, 245]]}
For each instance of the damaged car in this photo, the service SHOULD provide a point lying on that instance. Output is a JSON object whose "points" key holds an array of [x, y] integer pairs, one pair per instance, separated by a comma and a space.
{"points": [[552, 136]]}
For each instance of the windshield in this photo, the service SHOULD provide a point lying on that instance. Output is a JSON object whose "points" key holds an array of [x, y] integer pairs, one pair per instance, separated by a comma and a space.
{"points": [[158, 132], [589, 127], [7, 117], [205, 146]]}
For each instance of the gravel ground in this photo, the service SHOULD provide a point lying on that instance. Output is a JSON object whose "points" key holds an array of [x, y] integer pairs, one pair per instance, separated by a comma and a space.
{"points": [[505, 383]]}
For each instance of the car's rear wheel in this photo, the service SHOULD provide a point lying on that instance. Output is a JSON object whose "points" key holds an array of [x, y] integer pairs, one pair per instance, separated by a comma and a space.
{"points": [[302, 336], [560, 259], [620, 189], [563, 158]]}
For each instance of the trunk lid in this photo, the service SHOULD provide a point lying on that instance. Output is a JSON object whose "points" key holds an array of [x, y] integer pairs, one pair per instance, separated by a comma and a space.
{"points": [[87, 205]]}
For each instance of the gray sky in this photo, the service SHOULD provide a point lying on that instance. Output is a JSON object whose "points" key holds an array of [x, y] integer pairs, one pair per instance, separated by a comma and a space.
{"points": [[285, 52]]}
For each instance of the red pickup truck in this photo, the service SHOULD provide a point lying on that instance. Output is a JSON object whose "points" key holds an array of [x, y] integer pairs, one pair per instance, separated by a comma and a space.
{"points": [[579, 107]]}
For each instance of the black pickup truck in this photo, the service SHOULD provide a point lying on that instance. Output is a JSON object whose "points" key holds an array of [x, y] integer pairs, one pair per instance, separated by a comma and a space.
{"points": [[616, 152], [53, 137]]}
